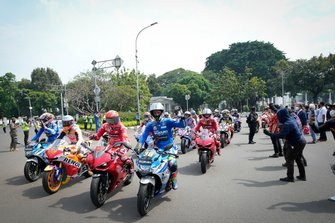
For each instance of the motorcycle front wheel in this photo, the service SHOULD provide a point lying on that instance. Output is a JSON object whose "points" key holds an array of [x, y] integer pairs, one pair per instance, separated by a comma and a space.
{"points": [[183, 146], [98, 194], [50, 184], [203, 162], [143, 199], [32, 171], [222, 140]]}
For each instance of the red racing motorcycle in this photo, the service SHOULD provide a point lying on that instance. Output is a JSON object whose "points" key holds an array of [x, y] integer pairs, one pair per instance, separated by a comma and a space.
{"points": [[65, 165], [206, 149], [111, 169]]}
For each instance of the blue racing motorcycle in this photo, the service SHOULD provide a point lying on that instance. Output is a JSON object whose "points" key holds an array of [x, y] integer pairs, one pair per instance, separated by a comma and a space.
{"points": [[154, 174], [36, 160]]}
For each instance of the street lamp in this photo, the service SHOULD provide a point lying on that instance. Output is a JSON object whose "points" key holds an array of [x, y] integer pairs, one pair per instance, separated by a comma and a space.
{"points": [[187, 97], [282, 87], [136, 70], [116, 62], [30, 107]]}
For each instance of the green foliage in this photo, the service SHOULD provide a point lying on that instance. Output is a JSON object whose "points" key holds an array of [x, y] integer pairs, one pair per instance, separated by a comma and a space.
{"points": [[42, 79], [8, 90]]}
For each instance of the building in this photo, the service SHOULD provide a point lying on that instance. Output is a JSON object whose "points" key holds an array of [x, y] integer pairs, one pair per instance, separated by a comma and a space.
{"points": [[168, 103]]}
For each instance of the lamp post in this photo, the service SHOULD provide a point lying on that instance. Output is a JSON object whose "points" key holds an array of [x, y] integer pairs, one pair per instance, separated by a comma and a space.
{"points": [[282, 87], [116, 62], [30, 107], [187, 97], [136, 70]]}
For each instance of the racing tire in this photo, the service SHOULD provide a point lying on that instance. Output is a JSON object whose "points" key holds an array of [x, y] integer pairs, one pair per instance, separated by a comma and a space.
{"points": [[129, 177], [143, 199], [50, 184], [222, 141], [183, 146], [98, 196], [32, 171], [203, 162]]}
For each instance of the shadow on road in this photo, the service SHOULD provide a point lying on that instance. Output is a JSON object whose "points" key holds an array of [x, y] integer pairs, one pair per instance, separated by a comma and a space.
{"points": [[322, 206], [35, 192], [253, 183], [258, 158], [18, 180], [80, 203], [192, 169], [270, 168]]}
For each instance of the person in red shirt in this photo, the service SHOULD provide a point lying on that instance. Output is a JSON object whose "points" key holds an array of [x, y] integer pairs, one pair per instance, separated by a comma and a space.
{"points": [[208, 122], [274, 128], [116, 131]]}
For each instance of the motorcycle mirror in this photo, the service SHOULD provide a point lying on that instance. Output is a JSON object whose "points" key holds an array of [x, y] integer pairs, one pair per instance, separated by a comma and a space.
{"points": [[168, 147]]}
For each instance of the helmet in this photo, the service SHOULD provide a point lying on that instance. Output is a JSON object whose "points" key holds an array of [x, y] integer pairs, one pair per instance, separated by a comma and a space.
{"points": [[312, 106], [47, 118], [225, 111], [166, 114], [68, 121], [207, 113], [234, 110], [216, 111], [332, 113], [193, 112], [146, 115], [112, 117], [187, 113], [156, 107]]}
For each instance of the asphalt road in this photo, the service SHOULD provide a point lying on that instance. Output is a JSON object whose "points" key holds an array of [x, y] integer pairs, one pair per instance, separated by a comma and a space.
{"points": [[241, 186]]}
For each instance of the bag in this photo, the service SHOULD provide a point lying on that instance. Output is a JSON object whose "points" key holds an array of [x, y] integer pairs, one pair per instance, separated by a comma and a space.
{"points": [[306, 130]]}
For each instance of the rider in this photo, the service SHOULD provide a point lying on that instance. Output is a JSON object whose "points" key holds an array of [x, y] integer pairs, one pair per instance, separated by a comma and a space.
{"points": [[194, 115], [161, 129], [71, 131], [207, 122], [226, 117], [189, 119], [217, 114], [48, 126], [116, 131]]}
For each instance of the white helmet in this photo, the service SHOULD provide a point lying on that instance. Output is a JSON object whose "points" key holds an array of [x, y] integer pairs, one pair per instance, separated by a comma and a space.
{"points": [[332, 113], [312, 106], [207, 112], [155, 107]]}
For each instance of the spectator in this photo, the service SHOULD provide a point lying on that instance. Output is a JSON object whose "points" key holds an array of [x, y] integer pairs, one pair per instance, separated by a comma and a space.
{"points": [[4, 124], [13, 134], [293, 135], [312, 114], [252, 123], [274, 129], [25, 128], [90, 121], [85, 119], [138, 118], [321, 119]]}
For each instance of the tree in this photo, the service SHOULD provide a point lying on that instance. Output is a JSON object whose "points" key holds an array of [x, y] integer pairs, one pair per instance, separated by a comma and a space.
{"points": [[8, 91], [258, 56], [42, 79]]}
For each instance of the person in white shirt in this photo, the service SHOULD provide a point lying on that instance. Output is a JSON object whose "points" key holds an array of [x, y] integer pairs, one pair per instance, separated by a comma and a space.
{"points": [[321, 119]]}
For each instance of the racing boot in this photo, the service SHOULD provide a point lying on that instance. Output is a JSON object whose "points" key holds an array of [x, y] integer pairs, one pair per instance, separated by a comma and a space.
{"points": [[218, 150], [174, 180]]}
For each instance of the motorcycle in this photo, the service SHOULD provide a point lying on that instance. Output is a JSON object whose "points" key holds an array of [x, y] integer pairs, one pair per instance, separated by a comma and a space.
{"points": [[154, 175], [226, 134], [237, 124], [110, 172], [186, 142], [36, 160], [64, 166], [149, 142], [206, 149]]}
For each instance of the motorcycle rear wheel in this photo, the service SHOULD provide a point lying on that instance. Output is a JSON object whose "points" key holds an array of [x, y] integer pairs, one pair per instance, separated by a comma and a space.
{"points": [[203, 162], [50, 184], [183, 146], [32, 171], [98, 197], [143, 199]]}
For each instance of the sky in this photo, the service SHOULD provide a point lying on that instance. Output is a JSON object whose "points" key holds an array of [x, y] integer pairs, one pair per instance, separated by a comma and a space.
{"points": [[67, 35]]}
